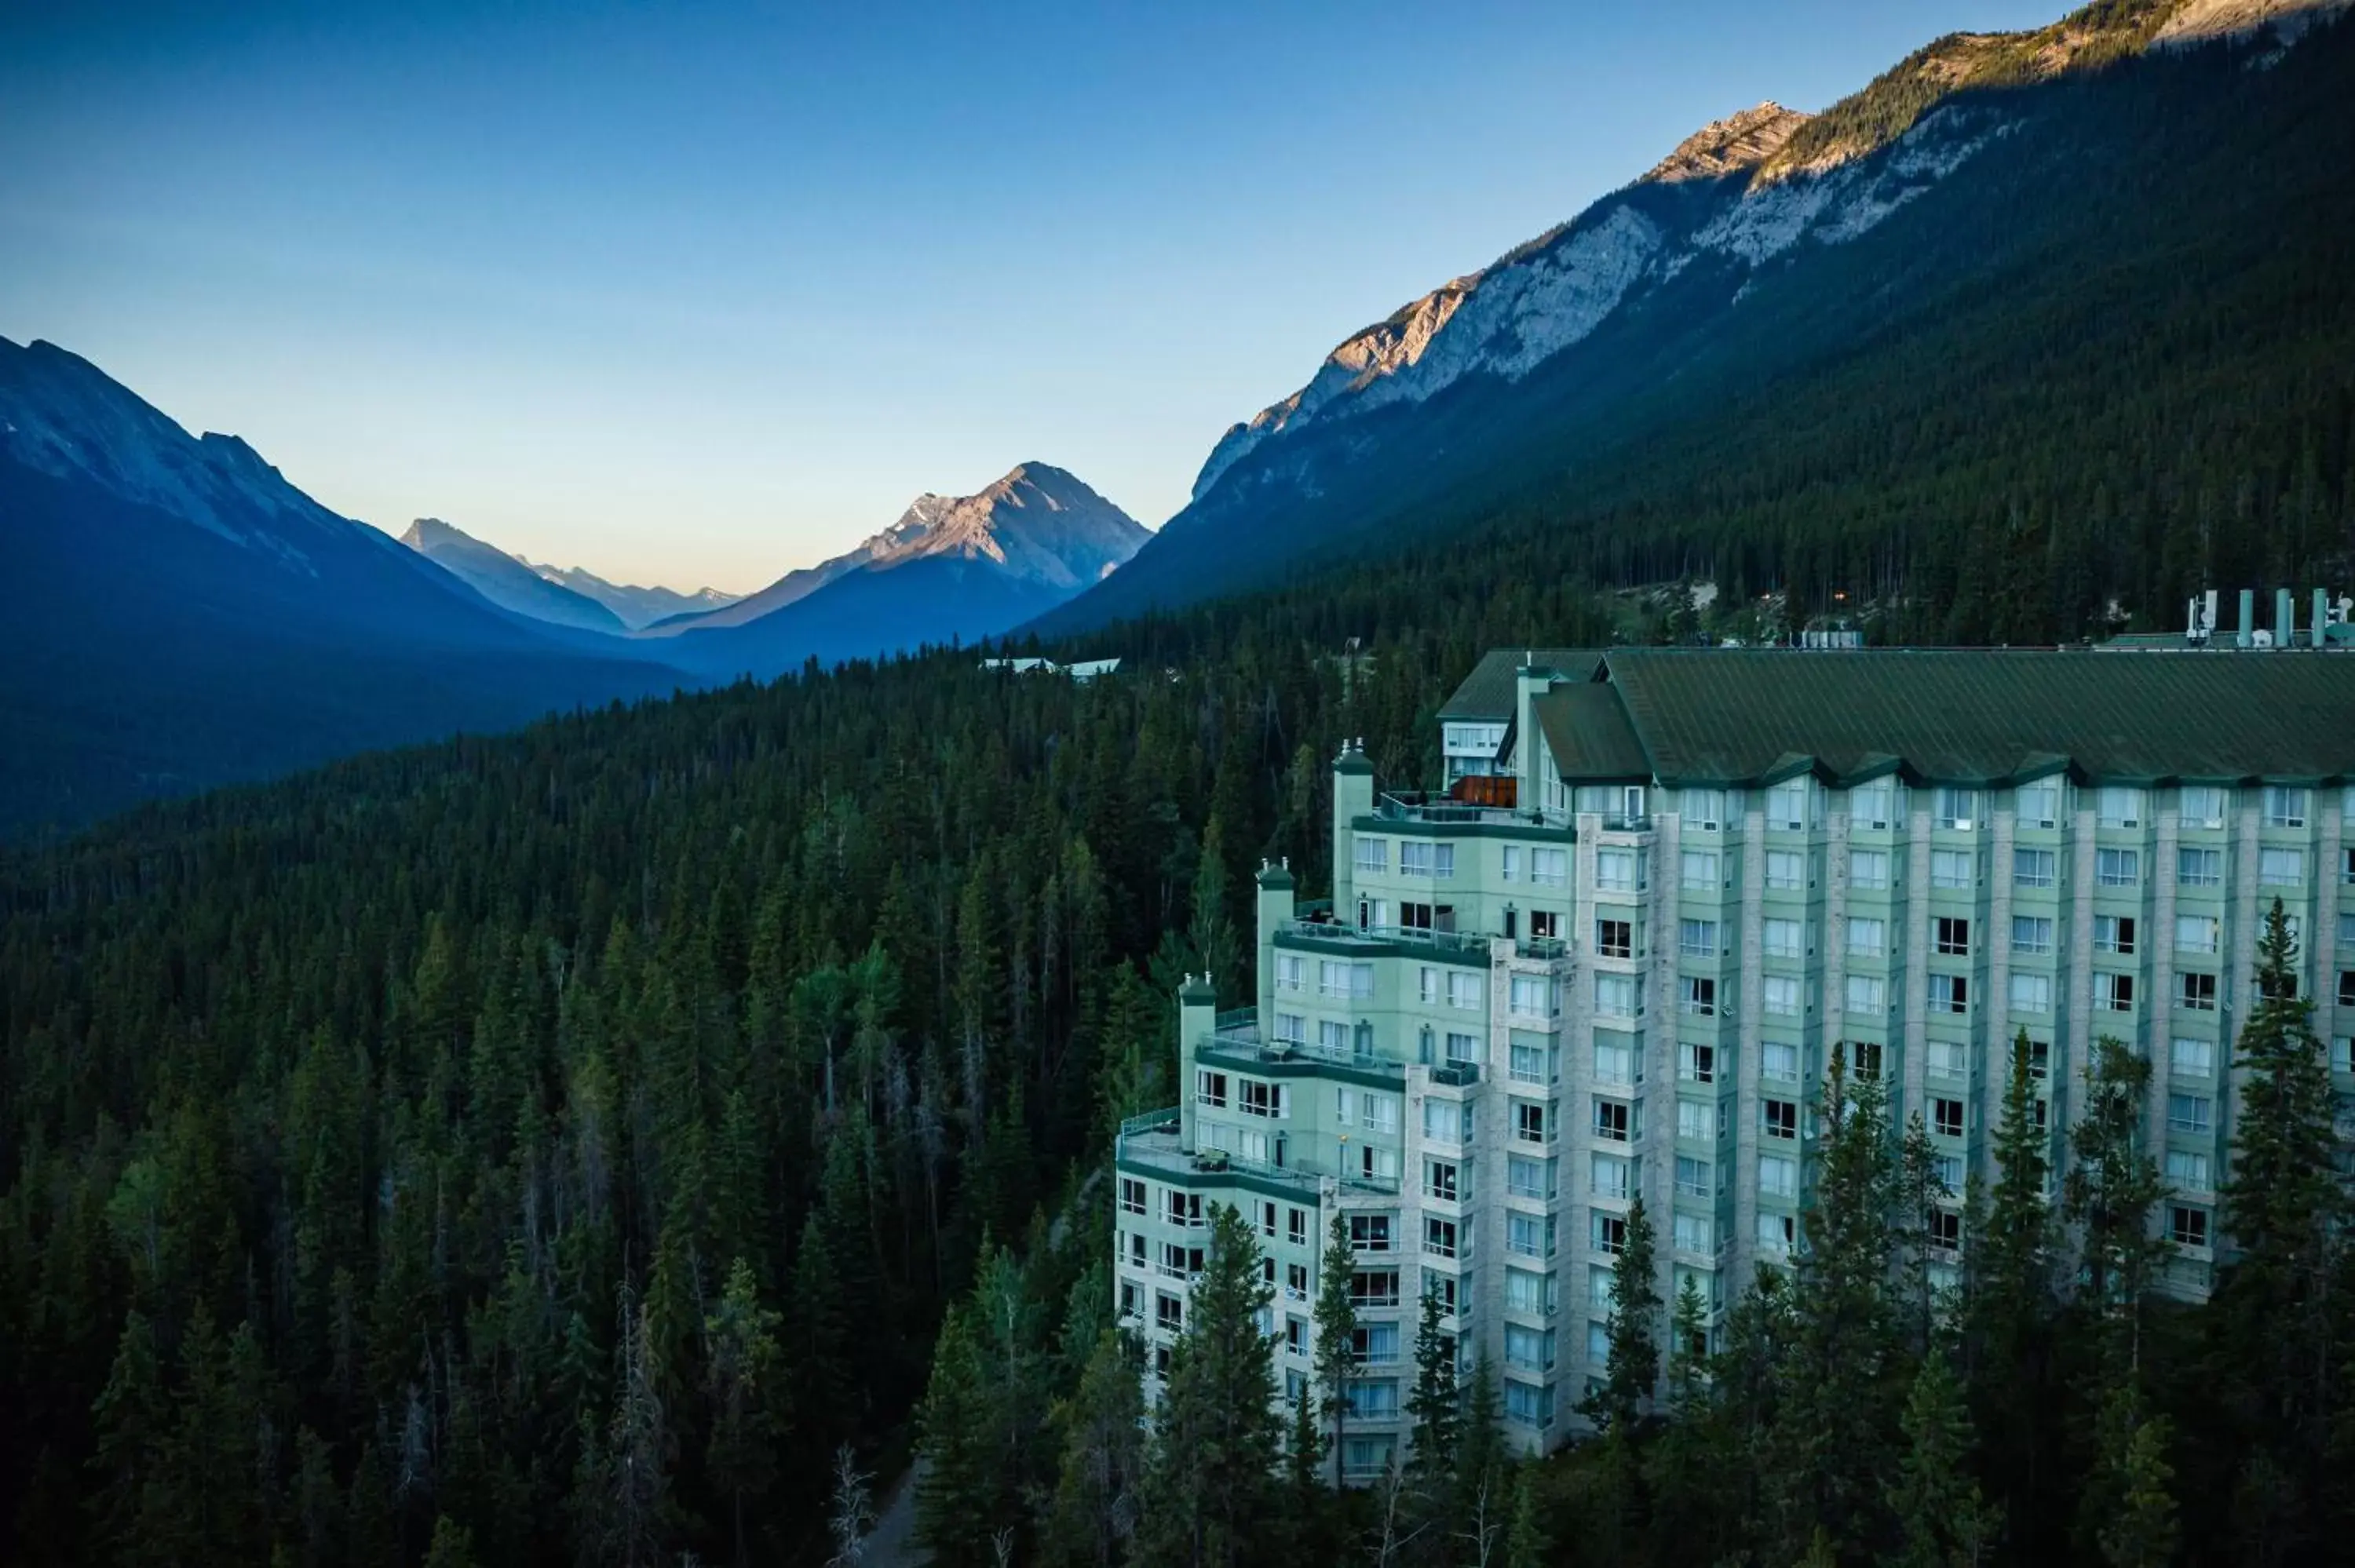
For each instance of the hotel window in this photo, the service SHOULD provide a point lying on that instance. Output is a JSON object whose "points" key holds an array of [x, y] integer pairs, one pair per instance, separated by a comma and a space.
{"points": [[1696, 1233], [1618, 995], [1864, 1056], [2197, 993], [1872, 807], [1428, 986], [1381, 1113], [1374, 1287], [1370, 1232], [1694, 1177], [1788, 804], [1700, 871], [2188, 1058], [1528, 1405], [1450, 1121], [1333, 1038], [2117, 867], [1255, 1098], [2187, 1171], [1947, 1118], [2186, 1226], [1779, 1119], [1946, 1059], [1526, 1178], [2342, 1054], [2191, 1113], [1945, 1229], [2200, 867], [1778, 1176], [1291, 972], [1168, 1311], [1610, 1175], [1954, 935], [1616, 1121], [2113, 934], [1784, 938], [1607, 1233], [1530, 1122], [1781, 996], [1211, 1089], [1295, 1336], [1614, 938], [1693, 1119], [2121, 808], [2200, 806], [1295, 1226], [1950, 868], [1463, 989], [1697, 1064], [1787, 870], [2347, 859], [1704, 810], [1778, 1061], [1867, 938], [2347, 924], [1132, 1196], [1618, 870], [1867, 995], [1292, 1028], [1616, 1061], [1869, 869], [1530, 1349], [2347, 987], [1698, 939], [1700, 996], [2281, 867], [1534, 996], [2113, 993], [1374, 856], [1776, 1232], [1267, 1229], [1549, 867], [2031, 994], [1545, 923], [1957, 808], [1436, 861], [1527, 1066], [2033, 867], [1947, 1169], [1950, 994], [1439, 1237], [1529, 1236], [2196, 933], [2284, 807], [2031, 934], [2038, 805]]}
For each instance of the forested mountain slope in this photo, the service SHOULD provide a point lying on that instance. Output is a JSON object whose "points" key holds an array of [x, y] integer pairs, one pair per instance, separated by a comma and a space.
{"points": [[2056, 341]]}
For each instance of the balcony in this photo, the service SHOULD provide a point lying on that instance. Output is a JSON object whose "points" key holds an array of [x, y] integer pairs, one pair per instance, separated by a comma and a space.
{"points": [[1375, 938], [1241, 1044], [1153, 1142], [1421, 806]]}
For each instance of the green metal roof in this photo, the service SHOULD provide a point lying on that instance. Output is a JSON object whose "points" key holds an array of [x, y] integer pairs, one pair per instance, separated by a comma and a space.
{"points": [[1586, 728], [1488, 692], [1980, 718]]}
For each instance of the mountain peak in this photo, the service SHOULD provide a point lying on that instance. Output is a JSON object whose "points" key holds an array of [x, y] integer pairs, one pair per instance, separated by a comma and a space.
{"points": [[1038, 522], [1726, 147]]}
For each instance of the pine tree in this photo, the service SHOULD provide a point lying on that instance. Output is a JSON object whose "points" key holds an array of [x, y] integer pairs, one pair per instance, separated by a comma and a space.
{"points": [[954, 1494], [133, 1420], [2285, 1206], [2138, 1530], [1092, 1516], [1209, 1476], [740, 1460], [1633, 1368], [1436, 1404], [453, 1545], [2112, 1183], [2009, 1300], [1941, 1520], [1336, 1330], [1525, 1545]]}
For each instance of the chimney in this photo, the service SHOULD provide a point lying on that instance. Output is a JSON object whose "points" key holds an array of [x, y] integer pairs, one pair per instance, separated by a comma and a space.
{"points": [[2321, 617], [2208, 618], [2243, 631], [2285, 619]]}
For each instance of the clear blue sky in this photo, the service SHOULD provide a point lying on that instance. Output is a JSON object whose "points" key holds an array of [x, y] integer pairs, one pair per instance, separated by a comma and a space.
{"points": [[700, 293]]}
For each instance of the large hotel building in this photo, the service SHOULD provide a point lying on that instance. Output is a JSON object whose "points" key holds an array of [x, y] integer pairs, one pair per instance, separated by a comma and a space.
{"points": [[1612, 956]]}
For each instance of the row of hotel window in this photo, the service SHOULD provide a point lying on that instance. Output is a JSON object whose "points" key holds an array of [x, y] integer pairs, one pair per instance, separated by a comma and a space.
{"points": [[1886, 803], [1867, 936]]}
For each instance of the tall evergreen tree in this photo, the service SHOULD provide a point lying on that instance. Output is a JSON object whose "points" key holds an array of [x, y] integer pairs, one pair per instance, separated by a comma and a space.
{"points": [[1336, 1330], [1210, 1481], [1941, 1519]]}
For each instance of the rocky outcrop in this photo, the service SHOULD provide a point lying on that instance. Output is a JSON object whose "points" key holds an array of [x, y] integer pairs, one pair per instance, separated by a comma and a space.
{"points": [[1729, 146]]}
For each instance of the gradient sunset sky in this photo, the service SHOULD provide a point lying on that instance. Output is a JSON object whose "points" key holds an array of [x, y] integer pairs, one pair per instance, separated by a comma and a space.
{"points": [[697, 293]]}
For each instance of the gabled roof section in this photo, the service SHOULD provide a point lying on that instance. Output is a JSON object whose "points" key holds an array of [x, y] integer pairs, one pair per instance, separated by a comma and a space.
{"points": [[1585, 726], [1488, 692], [1992, 718]]}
